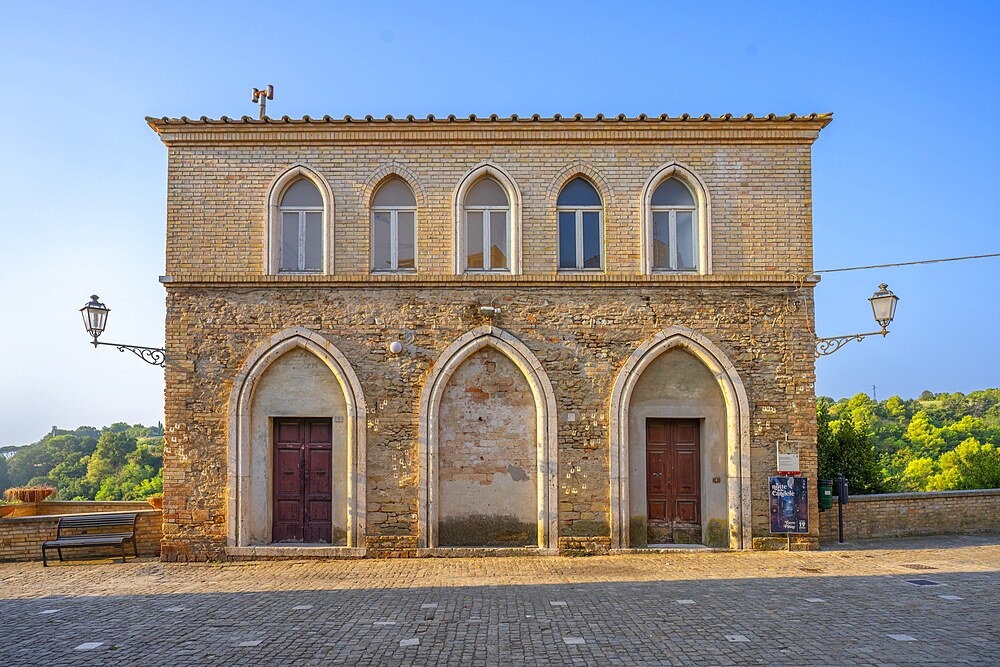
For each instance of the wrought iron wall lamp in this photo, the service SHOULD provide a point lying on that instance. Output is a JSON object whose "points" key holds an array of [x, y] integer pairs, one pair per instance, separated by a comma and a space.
{"points": [[883, 308], [95, 318]]}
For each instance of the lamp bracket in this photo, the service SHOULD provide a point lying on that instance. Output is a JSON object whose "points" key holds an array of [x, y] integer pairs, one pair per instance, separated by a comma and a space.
{"points": [[157, 356], [825, 346]]}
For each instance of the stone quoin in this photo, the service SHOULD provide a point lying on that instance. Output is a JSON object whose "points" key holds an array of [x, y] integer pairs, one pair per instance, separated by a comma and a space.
{"points": [[605, 329]]}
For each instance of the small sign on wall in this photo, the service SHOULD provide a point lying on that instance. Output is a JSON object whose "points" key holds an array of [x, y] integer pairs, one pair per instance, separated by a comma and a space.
{"points": [[788, 463]]}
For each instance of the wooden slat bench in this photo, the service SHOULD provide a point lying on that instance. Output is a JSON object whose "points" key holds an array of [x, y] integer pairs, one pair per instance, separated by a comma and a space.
{"points": [[93, 530]]}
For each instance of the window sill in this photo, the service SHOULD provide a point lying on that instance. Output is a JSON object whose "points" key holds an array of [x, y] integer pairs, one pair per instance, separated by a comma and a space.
{"points": [[579, 272], [669, 272]]}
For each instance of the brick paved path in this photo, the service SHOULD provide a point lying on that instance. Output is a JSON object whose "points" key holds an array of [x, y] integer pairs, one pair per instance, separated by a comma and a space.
{"points": [[852, 606]]}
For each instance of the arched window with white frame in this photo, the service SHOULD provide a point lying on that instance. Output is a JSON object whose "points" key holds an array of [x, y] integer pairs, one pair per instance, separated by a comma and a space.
{"points": [[675, 217], [394, 227], [674, 227], [486, 209], [301, 234], [581, 228]]}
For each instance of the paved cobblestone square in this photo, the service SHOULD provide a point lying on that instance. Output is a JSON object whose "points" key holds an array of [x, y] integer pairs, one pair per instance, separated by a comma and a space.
{"points": [[848, 606]]}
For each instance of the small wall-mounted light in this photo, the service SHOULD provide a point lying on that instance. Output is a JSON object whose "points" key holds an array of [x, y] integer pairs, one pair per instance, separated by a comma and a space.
{"points": [[490, 310], [395, 347]]}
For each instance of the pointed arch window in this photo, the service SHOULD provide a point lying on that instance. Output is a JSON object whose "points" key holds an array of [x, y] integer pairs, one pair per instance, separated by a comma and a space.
{"points": [[301, 242], [487, 227], [675, 227], [394, 227], [581, 226]]}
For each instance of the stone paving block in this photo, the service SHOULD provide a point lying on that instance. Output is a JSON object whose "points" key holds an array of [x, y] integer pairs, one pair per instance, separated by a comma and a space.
{"points": [[498, 611], [88, 646]]}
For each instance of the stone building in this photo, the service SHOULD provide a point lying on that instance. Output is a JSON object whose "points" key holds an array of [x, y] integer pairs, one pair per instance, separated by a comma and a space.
{"points": [[424, 336]]}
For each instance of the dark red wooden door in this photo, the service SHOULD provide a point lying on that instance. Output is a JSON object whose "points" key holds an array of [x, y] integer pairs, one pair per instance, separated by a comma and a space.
{"points": [[303, 489], [673, 471]]}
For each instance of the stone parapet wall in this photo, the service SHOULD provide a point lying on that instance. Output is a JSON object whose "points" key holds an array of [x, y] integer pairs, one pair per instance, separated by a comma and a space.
{"points": [[912, 514], [52, 507], [21, 538]]}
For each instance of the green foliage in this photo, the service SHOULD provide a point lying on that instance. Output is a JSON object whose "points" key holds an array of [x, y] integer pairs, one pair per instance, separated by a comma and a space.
{"points": [[118, 462], [934, 442], [844, 447], [971, 465], [111, 455], [4, 476]]}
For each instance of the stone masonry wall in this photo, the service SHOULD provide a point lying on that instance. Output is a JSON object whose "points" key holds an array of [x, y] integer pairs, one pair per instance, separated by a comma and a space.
{"points": [[911, 514], [487, 472], [582, 333]]}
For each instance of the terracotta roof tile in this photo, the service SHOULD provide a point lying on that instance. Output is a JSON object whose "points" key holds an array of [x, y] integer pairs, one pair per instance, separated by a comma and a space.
{"points": [[824, 118]]}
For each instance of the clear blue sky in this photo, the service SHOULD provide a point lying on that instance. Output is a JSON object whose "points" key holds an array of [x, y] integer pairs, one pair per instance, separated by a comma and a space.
{"points": [[906, 171]]}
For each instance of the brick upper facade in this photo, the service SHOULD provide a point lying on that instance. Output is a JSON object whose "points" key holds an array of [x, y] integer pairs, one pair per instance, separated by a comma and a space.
{"points": [[756, 171]]}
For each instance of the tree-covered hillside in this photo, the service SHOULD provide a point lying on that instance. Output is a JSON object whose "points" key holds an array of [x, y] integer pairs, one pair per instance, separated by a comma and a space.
{"points": [[935, 442], [117, 462]]}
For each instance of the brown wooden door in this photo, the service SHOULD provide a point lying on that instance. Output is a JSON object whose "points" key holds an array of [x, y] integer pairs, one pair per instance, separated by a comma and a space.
{"points": [[302, 488], [673, 480]]}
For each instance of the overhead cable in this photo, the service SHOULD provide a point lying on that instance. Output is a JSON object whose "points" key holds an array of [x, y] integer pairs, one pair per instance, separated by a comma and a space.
{"points": [[924, 261]]}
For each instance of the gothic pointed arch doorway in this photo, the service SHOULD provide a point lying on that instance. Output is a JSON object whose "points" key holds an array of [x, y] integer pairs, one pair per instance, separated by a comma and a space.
{"points": [[296, 406], [679, 409], [487, 447]]}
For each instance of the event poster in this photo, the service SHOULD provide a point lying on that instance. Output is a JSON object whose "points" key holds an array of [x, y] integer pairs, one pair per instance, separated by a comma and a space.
{"points": [[789, 504]]}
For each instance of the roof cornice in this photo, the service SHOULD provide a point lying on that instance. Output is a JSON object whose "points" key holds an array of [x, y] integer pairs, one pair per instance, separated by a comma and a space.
{"points": [[493, 129]]}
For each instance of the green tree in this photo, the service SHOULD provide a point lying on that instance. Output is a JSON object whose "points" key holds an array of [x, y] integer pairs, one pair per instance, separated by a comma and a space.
{"points": [[896, 408], [39, 459], [967, 427], [70, 479], [826, 445], [860, 409], [125, 461], [923, 436], [912, 435], [846, 449], [111, 455], [917, 474], [4, 477], [971, 465], [139, 478]]}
